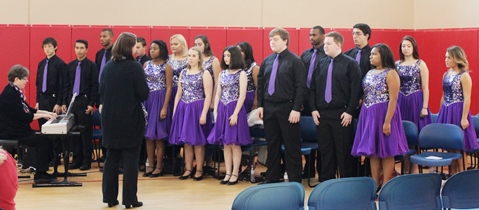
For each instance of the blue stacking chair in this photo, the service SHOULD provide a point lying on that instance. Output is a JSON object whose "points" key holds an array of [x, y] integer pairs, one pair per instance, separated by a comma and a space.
{"points": [[308, 134], [411, 132], [257, 135], [356, 193], [284, 195], [434, 118], [440, 137], [461, 190], [411, 192], [96, 135]]}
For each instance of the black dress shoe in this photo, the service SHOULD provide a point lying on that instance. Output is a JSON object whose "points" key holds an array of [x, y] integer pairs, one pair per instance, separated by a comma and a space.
{"points": [[43, 178], [134, 205], [182, 177], [233, 182], [226, 181], [85, 167], [152, 175], [113, 203], [270, 181], [73, 166], [198, 178]]}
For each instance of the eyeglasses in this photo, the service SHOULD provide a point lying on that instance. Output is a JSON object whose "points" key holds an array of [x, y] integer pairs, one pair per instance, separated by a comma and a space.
{"points": [[26, 79], [357, 33]]}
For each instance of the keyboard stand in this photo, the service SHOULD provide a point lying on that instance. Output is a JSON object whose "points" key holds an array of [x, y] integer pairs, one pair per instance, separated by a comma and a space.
{"points": [[66, 159]]}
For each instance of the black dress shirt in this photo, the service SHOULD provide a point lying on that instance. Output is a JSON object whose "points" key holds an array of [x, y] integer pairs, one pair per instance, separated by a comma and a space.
{"points": [[345, 86], [306, 57], [364, 62], [88, 81], [143, 59], [99, 57], [55, 75], [290, 80], [14, 119]]}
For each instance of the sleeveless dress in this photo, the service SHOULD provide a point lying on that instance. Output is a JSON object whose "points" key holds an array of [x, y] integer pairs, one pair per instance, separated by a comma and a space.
{"points": [[208, 66], [223, 132], [370, 139], [250, 89], [410, 99], [177, 66], [156, 79], [186, 128], [451, 109]]}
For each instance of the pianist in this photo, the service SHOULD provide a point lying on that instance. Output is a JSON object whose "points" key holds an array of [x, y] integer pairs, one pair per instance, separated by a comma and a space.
{"points": [[16, 116]]}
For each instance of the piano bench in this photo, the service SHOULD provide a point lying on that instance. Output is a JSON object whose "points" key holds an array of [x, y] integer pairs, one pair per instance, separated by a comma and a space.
{"points": [[9, 143]]}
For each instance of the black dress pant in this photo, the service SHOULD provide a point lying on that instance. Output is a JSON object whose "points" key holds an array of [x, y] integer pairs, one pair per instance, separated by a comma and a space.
{"points": [[130, 158], [335, 148], [82, 146], [43, 149], [279, 131]]}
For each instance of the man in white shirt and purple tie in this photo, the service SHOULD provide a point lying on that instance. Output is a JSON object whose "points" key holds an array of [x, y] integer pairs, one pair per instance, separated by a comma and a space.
{"points": [[281, 90], [334, 96]]}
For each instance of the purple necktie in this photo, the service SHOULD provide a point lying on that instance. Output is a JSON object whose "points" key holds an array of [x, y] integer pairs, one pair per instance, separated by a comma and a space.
{"points": [[311, 68], [328, 96], [76, 85], [139, 60], [103, 61], [272, 78], [358, 57], [45, 75]]}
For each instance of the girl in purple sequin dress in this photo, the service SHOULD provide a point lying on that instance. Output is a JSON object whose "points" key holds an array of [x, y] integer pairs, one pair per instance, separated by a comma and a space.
{"points": [[210, 62], [231, 126], [414, 91], [177, 60], [191, 119], [252, 71], [380, 134], [456, 100], [159, 77]]}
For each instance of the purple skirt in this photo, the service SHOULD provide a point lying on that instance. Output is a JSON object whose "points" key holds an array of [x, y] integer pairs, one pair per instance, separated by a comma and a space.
{"points": [[452, 115], [248, 102], [157, 129], [224, 133], [370, 139], [186, 128], [411, 106]]}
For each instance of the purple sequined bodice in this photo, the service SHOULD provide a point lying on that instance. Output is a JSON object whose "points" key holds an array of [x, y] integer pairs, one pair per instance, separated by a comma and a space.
{"points": [[375, 88], [451, 85], [208, 66], [229, 86], [410, 78], [249, 75], [177, 66], [192, 86], [155, 76]]}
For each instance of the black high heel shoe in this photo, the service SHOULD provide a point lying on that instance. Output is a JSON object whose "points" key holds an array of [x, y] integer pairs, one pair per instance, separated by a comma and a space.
{"points": [[113, 204], [147, 174], [198, 178], [234, 182], [226, 181], [182, 177], [152, 175], [134, 205]]}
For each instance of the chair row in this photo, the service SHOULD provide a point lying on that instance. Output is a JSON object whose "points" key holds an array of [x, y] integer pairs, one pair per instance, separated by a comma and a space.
{"points": [[413, 191]]}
